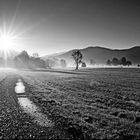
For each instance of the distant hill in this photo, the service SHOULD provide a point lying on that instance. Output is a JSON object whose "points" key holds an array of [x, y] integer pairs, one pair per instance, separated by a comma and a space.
{"points": [[100, 55], [52, 55]]}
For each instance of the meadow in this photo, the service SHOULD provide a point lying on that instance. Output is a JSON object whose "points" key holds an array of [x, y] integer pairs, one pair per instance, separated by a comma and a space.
{"points": [[90, 103], [99, 103]]}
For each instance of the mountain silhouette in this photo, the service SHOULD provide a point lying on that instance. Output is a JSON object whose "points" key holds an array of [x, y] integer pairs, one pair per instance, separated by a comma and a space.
{"points": [[100, 55]]}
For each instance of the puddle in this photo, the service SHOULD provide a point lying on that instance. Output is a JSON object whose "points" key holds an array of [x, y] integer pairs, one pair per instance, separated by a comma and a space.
{"points": [[29, 107], [19, 88]]}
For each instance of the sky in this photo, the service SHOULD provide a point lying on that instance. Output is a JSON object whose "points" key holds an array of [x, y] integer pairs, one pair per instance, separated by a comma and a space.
{"points": [[53, 26]]}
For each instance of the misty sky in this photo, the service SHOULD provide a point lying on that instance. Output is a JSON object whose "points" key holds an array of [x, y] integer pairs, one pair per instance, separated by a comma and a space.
{"points": [[51, 26]]}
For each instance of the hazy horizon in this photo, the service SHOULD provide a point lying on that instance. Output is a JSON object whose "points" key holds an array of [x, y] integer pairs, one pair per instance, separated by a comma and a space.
{"points": [[49, 27]]}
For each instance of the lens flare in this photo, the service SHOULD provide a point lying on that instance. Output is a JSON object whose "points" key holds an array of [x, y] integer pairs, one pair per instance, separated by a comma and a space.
{"points": [[6, 42]]}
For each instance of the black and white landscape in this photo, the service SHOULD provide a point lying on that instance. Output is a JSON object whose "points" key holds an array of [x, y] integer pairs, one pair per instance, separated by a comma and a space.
{"points": [[69, 69]]}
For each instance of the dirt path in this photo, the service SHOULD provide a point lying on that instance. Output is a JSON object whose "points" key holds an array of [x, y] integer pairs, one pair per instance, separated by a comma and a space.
{"points": [[20, 117]]}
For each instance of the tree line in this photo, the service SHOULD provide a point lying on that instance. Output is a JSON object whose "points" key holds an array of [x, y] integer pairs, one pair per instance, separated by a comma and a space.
{"points": [[23, 60], [115, 61], [77, 56]]}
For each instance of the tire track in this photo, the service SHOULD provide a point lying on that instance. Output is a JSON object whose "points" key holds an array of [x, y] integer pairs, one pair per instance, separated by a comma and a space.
{"points": [[16, 122], [21, 100], [29, 107]]}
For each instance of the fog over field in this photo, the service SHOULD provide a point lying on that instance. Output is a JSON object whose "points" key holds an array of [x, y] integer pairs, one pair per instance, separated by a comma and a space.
{"points": [[69, 69]]}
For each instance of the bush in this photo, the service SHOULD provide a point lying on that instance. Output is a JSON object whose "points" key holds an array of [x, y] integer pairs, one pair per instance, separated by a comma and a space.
{"points": [[83, 64]]}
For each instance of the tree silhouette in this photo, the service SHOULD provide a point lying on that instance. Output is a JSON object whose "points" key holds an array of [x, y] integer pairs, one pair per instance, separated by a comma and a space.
{"points": [[115, 61], [38, 62], [108, 62], [123, 61], [84, 64], [52, 62], [22, 60], [48, 63], [35, 55], [128, 63], [63, 63], [92, 62], [77, 56]]}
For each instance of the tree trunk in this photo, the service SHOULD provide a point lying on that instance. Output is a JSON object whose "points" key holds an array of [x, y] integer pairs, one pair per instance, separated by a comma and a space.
{"points": [[76, 66]]}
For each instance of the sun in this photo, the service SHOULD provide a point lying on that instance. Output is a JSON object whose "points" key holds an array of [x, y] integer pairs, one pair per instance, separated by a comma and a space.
{"points": [[6, 42]]}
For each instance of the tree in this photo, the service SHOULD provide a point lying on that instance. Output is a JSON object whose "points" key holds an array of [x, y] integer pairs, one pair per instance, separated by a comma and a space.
{"points": [[22, 60], [38, 62], [123, 61], [128, 63], [52, 62], [92, 62], [48, 63], [115, 61], [35, 55], [77, 56], [84, 64], [108, 62], [63, 63]]}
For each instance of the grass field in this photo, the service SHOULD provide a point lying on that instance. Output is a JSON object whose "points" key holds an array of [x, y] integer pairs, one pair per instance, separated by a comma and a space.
{"points": [[90, 103]]}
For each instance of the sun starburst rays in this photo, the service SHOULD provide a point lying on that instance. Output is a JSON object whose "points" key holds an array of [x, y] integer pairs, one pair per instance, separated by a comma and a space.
{"points": [[12, 39], [14, 35]]}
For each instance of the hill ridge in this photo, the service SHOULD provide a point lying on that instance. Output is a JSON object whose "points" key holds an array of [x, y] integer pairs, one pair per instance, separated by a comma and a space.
{"points": [[100, 54]]}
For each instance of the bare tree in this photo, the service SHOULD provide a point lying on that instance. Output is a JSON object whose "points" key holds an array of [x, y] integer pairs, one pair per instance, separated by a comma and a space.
{"points": [[77, 56]]}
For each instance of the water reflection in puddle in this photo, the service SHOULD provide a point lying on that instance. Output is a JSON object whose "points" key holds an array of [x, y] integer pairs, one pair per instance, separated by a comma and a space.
{"points": [[19, 88], [29, 107]]}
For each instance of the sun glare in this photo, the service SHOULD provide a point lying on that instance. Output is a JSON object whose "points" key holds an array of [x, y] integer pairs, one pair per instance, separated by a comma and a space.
{"points": [[6, 42]]}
